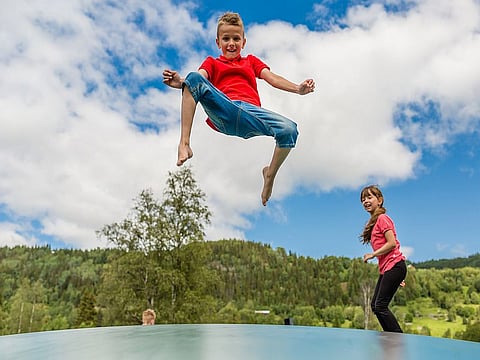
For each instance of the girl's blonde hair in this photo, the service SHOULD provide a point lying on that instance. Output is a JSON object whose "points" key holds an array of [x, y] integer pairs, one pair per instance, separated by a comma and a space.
{"points": [[230, 18], [367, 230]]}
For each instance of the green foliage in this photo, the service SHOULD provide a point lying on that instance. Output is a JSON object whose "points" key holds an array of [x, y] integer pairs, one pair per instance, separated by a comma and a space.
{"points": [[425, 330], [456, 263], [472, 332], [408, 317], [217, 282], [28, 308], [477, 285], [465, 311], [358, 320], [451, 316], [142, 230], [86, 313], [229, 314], [334, 314], [186, 215]]}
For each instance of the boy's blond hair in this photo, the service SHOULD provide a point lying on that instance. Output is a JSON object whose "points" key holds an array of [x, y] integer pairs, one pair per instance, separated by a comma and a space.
{"points": [[148, 317], [230, 18]]}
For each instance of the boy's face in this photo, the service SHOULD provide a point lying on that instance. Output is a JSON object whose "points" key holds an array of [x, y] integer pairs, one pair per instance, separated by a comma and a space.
{"points": [[148, 320], [230, 40]]}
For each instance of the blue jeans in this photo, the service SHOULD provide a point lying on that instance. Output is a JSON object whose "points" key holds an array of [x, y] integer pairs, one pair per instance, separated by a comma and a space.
{"points": [[239, 118], [387, 285]]}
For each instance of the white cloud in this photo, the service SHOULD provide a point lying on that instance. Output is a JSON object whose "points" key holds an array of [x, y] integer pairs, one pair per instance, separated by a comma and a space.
{"points": [[71, 157], [11, 235], [407, 251], [455, 250]]}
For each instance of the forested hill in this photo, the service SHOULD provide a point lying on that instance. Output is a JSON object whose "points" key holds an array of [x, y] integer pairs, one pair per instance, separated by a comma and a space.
{"points": [[456, 263], [223, 281]]}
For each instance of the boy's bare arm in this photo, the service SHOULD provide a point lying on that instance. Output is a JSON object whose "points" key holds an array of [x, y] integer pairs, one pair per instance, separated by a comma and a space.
{"points": [[173, 78], [279, 82]]}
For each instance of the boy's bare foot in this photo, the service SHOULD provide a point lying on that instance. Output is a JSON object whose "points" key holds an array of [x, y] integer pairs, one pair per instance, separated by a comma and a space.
{"points": [[184, 153], [267, 186]]}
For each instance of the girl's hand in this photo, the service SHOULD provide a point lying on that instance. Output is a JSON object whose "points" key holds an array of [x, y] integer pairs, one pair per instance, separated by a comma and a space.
{"points": [[402, 284], [367, 257]]}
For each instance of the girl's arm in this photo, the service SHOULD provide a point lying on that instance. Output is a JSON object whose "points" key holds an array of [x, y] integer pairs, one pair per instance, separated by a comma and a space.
{"points": [[386, 248], [281, 83]]}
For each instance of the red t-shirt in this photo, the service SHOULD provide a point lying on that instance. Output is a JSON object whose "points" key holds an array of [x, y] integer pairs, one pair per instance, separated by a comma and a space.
{"points": [[377, 240], [236, 78]]}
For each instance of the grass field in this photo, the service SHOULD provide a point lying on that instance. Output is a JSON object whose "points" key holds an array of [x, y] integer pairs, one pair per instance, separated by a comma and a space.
{"points": [[428, 319], [437, 327]]}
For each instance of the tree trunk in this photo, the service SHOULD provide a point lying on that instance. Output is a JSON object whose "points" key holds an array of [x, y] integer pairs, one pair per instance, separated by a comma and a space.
{"points": [[366, 298], [31, 318], [174, 298], [20, 320]]}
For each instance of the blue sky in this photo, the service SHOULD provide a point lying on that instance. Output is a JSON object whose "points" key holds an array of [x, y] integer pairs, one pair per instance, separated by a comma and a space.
{"points": [[86, 123], [436, 213]]}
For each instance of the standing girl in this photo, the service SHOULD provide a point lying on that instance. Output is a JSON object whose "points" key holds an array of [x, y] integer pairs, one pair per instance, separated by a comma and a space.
{"points": [[380, 233]]}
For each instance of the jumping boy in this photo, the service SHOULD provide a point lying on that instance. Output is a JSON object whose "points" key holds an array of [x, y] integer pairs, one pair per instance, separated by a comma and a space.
{"points": [[227, 89]]}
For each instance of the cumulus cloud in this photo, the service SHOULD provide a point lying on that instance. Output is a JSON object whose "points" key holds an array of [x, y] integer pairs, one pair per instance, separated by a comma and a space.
{"points": [[16, 234], [86, 123]]}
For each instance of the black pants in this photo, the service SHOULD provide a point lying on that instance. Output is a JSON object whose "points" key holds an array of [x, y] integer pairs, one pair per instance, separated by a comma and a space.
{"points": [[387, 285]]}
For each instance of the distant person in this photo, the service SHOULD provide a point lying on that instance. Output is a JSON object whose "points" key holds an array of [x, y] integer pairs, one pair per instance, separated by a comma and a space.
{"points": [[380, 233], [226, 87], [148, 317]]}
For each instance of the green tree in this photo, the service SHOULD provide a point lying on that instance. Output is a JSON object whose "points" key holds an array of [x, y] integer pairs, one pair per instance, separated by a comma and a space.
{"points": [[144, 228], [477, 285], [408, 317], [359, 320], [184, 208], [131, 283], [451, 315], [424, 330], [335, 315], [161, 268], [228, 314], [158, 226], [361, 285], [86, 313], [472, 332], [28, 308], [306, 315], [3, 321]]}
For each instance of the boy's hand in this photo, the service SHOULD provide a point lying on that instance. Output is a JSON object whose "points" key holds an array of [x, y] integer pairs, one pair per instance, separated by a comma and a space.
{"points": [[172, 78], [306, 87]]}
